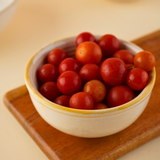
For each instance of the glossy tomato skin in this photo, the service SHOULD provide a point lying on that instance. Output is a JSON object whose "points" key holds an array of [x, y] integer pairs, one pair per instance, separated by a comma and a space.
{"points": [[89, 72], [69, 64], [88, 52], [96, 89], [119, 95], [137, 79], [124, 55], [62, 100], [81, 100], [145, 60], [109, 45], [113, 71], [69, 82], [50, 91], [56, 56], [48, 72], [100, 106], [85, 36]]}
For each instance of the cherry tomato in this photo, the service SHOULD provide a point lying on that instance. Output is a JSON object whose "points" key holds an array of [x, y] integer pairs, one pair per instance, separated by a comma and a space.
{"points": [[113, 71], [89, 72], [50, 91], [69, 64], [96, 89], [48, 72], [69, 82], [81, 100], [124, 55], [109, 44], [100, 106], [88, 52], [62, 100], [85, 36], [137, 78], [119, 95], [145, 60], [56, 56]]}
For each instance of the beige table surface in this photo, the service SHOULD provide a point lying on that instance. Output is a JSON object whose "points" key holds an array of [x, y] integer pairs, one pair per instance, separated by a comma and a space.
{"points": [[35, 24]]}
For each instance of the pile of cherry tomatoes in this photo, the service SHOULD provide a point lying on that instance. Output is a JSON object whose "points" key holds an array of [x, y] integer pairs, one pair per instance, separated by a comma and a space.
{"points": [[100, 76]]}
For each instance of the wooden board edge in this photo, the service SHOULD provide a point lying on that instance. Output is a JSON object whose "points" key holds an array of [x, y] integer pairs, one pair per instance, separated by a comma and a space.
{"points": [[15, 93], [133, 144], [7, 100], [146, 37]]}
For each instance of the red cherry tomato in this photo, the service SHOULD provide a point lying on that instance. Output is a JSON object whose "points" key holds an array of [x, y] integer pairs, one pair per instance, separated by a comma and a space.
{"points": [[137, 79], [56, 56], [69, 82], [124, 55], [85, 36], [109, 44], [113, 71], [69, 64], [81, 100], [100, 106], [145, 60], [50, 91], [119, 95], [48, 72], [62, 100], [89, 72], [96, 89], [88, 52]]}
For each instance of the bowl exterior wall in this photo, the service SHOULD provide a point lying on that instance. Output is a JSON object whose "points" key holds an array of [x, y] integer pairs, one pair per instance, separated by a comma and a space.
{"points": [[7, 14], [90, 126]]}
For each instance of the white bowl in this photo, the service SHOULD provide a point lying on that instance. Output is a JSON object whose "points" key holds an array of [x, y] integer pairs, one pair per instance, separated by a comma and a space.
{"points": [[84, 123], [7, 10]]}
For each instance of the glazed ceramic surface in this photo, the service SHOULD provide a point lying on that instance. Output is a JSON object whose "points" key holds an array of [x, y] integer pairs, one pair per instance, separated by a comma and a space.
{"points": [[7, 10], [84, 123]]}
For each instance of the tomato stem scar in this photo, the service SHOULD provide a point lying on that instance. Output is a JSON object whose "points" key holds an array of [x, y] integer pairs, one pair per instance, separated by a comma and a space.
{"points": [[81, 52]]}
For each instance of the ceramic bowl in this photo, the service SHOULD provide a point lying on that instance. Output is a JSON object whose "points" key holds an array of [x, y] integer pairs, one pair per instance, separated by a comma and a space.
{"points": [[7, 10], [84, 123]]}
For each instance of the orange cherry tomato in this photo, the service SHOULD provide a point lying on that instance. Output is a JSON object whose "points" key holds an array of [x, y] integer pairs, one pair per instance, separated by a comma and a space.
{"points": [[144, 60], [96, 89], [88, 52]]}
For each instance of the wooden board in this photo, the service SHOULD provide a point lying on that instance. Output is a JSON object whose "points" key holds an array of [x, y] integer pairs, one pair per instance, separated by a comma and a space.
{"points": [[59, 146]]}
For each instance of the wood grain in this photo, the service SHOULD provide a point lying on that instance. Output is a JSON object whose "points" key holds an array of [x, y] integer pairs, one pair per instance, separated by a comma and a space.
{"points": [[60, 146]]}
